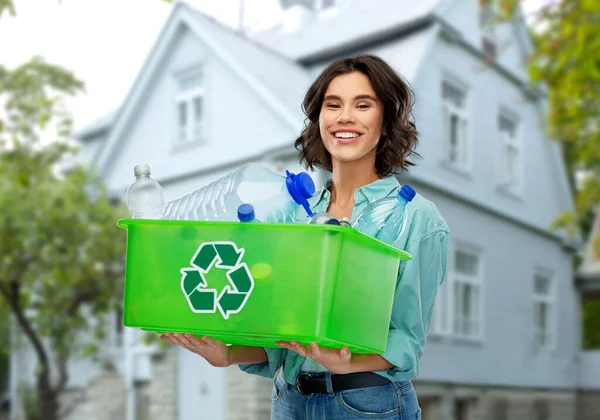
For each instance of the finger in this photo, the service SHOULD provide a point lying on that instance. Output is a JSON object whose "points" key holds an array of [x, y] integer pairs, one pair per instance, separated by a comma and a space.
{"points": [[315, 350], [209, 341], [285, 345], [179, 339], [301, 350]]}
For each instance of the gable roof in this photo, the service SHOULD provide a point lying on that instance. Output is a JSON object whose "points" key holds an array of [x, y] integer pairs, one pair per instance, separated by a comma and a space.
{"points": [[266, 72], [356, 23]]}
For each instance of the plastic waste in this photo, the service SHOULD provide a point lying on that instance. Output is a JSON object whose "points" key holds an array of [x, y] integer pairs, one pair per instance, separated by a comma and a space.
{"points": [[145, 197], [386, 219], [323, 218], [246, 213], [275, 198]]}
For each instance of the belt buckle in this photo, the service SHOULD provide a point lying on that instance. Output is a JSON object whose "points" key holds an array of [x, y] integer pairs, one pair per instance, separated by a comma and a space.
{"points": [[299, 386]]}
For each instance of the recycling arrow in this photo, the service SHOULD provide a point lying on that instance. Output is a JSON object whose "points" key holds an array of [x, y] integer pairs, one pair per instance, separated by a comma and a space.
{"points": [[233, 297]]}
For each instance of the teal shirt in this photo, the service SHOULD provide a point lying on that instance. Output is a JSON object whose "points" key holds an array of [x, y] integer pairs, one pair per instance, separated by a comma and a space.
{"points": [[426, 238]]}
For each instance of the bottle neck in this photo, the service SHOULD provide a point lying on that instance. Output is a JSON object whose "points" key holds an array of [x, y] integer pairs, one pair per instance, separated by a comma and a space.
{"points": [[142, 176]]}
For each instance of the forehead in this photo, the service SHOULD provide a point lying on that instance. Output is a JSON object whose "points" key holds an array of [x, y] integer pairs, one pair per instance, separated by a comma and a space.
{"points": [[350, 85]]}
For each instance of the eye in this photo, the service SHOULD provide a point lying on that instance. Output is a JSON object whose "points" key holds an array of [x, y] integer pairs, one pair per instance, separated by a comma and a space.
{"points": [[332, 105], [364, 106]]}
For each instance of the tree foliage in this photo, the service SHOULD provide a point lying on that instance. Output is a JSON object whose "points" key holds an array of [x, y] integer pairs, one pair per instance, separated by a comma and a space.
{"points": [[60, 251]]}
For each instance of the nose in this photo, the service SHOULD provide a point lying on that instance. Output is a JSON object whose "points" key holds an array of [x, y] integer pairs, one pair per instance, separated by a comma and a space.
{"points": [[345, 115]]}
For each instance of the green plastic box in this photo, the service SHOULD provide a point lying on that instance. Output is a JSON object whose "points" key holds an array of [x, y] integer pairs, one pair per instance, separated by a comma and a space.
{"points": [[257, 283]]}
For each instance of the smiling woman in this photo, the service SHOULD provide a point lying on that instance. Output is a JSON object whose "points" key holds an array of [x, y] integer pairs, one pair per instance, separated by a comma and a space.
{"points": [[360, 128]]}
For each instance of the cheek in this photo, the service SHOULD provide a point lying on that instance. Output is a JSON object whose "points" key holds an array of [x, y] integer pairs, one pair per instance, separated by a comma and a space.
{"points": [[322, 127]]}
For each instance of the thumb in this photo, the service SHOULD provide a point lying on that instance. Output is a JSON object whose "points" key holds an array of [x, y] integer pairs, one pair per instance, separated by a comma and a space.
{"points": [[345, 354]]}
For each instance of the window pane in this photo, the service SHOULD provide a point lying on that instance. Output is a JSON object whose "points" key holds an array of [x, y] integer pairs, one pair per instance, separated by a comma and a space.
{"points": [[453, 94], [182, 117], [507, 126], [466, 303], [465, 263], [191, 82], [463, 142], [541, 285], [197, 109], [453, 147]]}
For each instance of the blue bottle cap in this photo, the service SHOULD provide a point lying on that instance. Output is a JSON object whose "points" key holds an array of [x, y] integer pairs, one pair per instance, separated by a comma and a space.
{"points": [[407, 192], [245, 212], [301, 187], [332, 221]]}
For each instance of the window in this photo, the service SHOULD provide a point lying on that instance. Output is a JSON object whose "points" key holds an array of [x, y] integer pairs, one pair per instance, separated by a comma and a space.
{"points": [[543, 311], [190, 107], [487, 17], [467, 295], [455, 124], [508, 129]]}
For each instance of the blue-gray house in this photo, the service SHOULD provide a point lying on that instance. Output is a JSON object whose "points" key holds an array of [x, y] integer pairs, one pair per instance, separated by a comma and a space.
{"points": [[505, 337]]}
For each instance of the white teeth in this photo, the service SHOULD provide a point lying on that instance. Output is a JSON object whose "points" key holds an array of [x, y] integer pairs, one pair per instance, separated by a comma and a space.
{"points": [[346, 135]]}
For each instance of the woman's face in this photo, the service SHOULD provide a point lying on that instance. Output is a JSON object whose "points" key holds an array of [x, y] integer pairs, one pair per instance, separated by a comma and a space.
{"points": [[351, 118]]}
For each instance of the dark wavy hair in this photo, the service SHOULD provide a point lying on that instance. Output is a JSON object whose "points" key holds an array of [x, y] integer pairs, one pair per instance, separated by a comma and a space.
{"points": [[397, 98]]}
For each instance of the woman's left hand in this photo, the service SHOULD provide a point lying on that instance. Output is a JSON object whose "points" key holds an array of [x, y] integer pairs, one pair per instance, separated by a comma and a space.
{"points": [[334, 360]]}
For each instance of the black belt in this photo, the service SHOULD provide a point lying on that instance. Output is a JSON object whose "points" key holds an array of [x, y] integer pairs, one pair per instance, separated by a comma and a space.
{"points": [[308, 384]]}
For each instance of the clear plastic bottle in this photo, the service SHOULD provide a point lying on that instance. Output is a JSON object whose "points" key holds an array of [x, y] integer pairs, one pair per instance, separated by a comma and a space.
{"points": [[386, 219], [246, 214], [275, 198], [145, 197]]}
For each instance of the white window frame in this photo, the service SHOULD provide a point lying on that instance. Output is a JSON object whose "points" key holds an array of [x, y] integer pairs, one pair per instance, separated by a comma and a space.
{"points": [[449, 110], [548, 299], [476, 283], [194, 132], [441, 320], [511, 182]]}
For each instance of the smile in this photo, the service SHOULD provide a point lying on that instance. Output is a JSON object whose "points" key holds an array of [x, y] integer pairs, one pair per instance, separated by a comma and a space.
{"points": [[346, 137]]}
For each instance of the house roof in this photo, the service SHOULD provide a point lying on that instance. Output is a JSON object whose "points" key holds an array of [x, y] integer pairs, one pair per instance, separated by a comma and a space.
{"points": [[353, 24], [278, 79], [266, 72]]}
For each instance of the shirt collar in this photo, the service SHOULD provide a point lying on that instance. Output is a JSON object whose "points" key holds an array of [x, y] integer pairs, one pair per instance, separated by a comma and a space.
{"points": [[374, 191]]}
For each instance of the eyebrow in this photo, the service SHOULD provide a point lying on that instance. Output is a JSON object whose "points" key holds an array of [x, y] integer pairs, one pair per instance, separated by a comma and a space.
{"points": [[356, 98]]}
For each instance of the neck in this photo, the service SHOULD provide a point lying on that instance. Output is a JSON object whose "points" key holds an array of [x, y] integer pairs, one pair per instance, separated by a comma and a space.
{"points": [[350, 176]]}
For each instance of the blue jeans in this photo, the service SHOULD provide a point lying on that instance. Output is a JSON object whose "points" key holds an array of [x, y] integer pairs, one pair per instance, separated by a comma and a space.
{"points": [[396, 400]]}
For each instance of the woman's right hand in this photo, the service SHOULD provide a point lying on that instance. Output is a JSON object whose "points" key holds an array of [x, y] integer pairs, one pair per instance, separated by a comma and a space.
{"points": [[215, 352]]}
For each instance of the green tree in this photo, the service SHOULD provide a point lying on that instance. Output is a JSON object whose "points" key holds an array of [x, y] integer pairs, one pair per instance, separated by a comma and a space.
{"points": [[7, 6], [61, 255], [566, 61]]}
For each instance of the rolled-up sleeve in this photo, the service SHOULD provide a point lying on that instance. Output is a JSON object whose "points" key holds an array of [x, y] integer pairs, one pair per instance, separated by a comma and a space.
{"points": [[269, 368], [418, 283]]}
